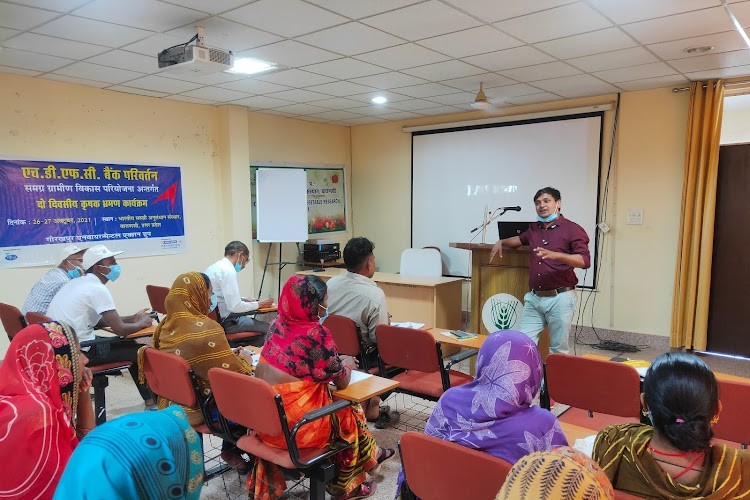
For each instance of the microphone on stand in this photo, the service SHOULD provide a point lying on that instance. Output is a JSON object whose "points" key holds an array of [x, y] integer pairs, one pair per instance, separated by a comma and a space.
{"points": [[504, 209]]}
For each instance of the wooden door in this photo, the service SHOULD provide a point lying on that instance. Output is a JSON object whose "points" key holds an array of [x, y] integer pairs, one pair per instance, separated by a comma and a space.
{"points": [[729, 305]]}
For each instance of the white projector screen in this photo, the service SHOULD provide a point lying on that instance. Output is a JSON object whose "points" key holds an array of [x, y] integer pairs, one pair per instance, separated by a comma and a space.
{"points": [[457, 172]]}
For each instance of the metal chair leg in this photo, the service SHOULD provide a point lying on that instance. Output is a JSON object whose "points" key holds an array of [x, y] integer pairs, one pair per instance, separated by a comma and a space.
{"points": [[100, 384]]}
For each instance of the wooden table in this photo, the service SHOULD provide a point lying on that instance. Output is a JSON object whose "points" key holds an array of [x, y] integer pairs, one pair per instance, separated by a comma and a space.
{"points": [[574, 432], [366, 389], [434, 301], [472, 343]]}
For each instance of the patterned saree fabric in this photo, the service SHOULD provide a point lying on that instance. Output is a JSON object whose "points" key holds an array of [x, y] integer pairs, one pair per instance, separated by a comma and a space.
{"points": [[39, 381], [299, 346], [622, 451], [493, 413], [188, 332], [560, 474], [154, 455], [296, 343]]}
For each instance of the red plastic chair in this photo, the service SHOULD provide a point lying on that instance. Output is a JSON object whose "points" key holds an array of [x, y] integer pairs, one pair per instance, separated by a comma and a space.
{"points": [[348, 341], [417, 352], [733, 419], [12, 320], [440, 470], [34, 317], [261, 410], [170, 377], [156, 297], [594, 385]]}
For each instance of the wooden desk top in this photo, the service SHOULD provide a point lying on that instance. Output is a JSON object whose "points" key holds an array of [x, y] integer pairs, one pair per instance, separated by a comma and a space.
{"points": [[144, 332], [574, 432], [330, 263], [487, 247], [366, 389], [273, 308], [358, 391], [390, 278], [473, 343]]}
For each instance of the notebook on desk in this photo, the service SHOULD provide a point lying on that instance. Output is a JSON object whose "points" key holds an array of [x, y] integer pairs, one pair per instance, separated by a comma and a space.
{"points": [[510, 229]]}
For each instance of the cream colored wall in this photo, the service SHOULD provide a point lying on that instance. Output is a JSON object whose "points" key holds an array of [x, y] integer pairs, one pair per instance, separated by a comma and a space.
{"points": [[648, 175], [277, 139], [213, 145]]}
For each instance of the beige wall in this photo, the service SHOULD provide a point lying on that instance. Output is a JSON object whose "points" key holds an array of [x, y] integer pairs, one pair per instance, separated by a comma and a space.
{"points": [[283, 140], [647, 174], [213, 145], [52, 120]]}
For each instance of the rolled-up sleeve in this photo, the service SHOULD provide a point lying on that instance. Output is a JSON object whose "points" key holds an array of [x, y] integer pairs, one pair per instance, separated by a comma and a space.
{"points": [[579, 245]]}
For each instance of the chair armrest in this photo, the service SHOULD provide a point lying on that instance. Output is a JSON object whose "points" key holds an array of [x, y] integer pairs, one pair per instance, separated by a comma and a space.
{"points": [[460, 357], [326, 410], [308, 417]]}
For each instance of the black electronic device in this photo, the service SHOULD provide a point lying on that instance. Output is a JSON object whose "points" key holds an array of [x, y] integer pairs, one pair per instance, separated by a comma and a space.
{"points": [[321, 252], [510, 229]]}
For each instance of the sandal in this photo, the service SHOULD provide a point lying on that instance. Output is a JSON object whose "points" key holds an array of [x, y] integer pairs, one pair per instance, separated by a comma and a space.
{"points": [[383, 455], [383, 409], [364, 490]]}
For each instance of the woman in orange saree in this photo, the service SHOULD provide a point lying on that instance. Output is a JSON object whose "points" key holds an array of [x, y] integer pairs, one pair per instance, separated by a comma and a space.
{"points": [[299, 359]]}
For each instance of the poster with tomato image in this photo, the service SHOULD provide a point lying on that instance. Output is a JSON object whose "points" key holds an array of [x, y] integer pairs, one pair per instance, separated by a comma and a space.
{"points": [[326, 198]]}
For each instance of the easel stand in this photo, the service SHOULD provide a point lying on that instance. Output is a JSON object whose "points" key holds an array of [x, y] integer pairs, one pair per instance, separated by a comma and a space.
{"points": [[282, 264]]}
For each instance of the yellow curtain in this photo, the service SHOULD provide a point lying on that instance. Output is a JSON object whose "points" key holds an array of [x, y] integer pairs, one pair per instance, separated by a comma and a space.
{"points": [[692, 283]]}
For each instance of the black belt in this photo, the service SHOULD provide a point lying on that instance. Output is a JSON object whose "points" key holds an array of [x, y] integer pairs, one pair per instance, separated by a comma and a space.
{"points": [[552, 293]]}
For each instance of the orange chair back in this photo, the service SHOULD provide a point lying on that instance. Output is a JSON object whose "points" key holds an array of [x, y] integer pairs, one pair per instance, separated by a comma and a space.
{"points": [[168, 375], [12, 319], [156, 297], [344, 332], [594, 384], [407, 348], [246, 400], [733, 419], [437, 469], [32, 318]]}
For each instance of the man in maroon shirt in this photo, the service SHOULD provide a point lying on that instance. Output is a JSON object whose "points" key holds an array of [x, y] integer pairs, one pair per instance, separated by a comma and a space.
{"points": [[557, 247]]}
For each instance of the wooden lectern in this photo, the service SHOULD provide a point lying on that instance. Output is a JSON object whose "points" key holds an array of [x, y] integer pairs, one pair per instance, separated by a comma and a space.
{"points": [[507, 275]]}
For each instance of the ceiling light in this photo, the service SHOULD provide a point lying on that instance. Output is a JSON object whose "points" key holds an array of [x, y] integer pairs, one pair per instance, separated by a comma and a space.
{"points": [[250, 66], [379, 100], [700, 49]]}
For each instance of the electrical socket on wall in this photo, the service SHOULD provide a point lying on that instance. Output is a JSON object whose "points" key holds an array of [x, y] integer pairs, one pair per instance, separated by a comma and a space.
{"points": [[635, 216]]}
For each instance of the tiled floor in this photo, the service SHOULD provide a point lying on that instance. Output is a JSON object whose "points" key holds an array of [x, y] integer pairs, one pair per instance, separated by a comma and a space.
{"points": [[122, 398]]}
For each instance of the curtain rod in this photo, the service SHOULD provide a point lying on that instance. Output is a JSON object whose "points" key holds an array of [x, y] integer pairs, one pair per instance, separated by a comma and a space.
{"points": [[730, 84]]}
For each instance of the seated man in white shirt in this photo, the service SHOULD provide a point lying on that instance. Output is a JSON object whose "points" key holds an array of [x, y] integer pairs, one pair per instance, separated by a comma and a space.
{"points": [[356, 296], [68, 268], [86, 304], [233, 309]]}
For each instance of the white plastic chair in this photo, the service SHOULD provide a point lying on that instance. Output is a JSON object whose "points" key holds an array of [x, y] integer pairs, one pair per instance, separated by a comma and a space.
{"points": [[421, 262]]}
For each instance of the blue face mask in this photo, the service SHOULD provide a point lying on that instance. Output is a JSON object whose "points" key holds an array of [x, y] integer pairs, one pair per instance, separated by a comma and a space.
{"points": [[549, 218], [114, 272], [238, 267], [74, 273], [323, 318], [213, 302]]}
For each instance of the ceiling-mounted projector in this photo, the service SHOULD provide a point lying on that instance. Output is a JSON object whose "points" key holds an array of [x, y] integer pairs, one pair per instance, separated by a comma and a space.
{"points": [[195, 59]]}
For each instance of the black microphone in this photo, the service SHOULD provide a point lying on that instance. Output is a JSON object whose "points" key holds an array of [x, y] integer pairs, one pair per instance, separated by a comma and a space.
{"points": [[510, 209]]}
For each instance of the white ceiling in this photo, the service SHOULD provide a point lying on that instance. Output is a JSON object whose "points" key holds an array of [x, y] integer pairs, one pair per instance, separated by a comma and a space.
{"points": [[426, 56]]}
